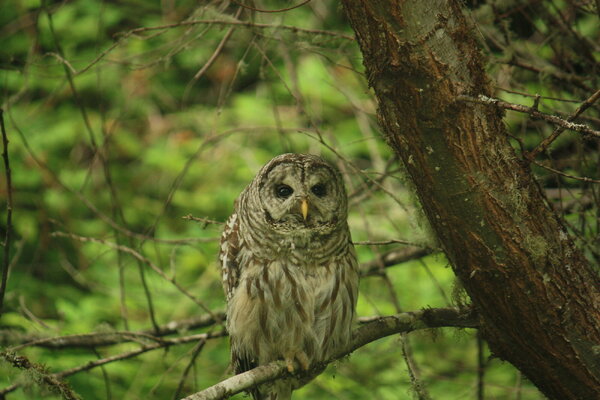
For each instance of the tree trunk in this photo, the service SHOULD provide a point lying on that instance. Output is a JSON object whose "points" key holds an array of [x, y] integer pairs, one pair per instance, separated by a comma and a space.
{"points": [[536, 294]]}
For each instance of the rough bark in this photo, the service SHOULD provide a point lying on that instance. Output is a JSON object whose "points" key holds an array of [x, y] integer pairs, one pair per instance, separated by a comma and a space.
{"points": [[537, 296]]}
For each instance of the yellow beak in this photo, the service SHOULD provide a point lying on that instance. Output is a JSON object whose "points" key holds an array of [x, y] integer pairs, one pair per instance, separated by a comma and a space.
{"points": [[304, 208]]}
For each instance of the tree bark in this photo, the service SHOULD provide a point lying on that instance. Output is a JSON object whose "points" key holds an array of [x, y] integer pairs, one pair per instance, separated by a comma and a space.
{"points": [[537, 296]]}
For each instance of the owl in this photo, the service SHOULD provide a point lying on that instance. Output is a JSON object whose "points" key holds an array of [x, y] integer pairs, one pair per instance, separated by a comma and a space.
{"points": [[289, 269]]}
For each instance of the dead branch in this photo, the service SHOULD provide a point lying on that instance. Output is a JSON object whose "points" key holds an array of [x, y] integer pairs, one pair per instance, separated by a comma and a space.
{"points": [[560, 129], [535, 113], [101, 339], [143, 259], [123, 356], [8, 233], [391, 258]]}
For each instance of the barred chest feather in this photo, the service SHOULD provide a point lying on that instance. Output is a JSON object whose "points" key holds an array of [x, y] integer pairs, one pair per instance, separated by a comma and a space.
{"points": [[284, 306]]}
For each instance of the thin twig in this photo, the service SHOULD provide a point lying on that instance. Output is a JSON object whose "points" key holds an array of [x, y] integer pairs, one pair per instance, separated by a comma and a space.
{"points": [[205, 221], [391, 258], [101, 339], [416, 382], [534, 113], [384, 242], [143, 349], [90, 205], [8, 233], [480, 368], [196, 352], [122, 36], [211, 59], [123, 356], [524, 94], [142, 258], [104, 376], [560, 129], [556, 73], [294, 29], [272, 11], [70, 78], [578, 178]]}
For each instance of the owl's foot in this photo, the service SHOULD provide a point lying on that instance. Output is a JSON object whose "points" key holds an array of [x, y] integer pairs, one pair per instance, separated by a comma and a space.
{"points": [[302, 358]]}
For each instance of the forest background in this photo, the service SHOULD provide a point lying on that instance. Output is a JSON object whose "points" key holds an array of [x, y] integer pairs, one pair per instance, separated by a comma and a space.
{"points": [[133, 126]]}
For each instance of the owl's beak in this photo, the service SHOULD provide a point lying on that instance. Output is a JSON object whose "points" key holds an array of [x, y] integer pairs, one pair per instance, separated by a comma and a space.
{"points": [[304, 208]]}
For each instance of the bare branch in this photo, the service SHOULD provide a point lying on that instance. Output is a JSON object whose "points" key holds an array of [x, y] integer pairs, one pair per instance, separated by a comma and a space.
{"points": [[391, 258], [123, 356], [212, 58], [367, 333], [122, 36], [272, 11], [99, 339], [383, 242], [577, 178], [142, 258], [205, 221], [534, 113], [246, 24], [557, 131], [143, 349], [8, 233]]}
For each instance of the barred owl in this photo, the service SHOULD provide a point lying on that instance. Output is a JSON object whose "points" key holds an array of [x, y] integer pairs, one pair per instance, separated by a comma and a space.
{"points": [[288, 268]]}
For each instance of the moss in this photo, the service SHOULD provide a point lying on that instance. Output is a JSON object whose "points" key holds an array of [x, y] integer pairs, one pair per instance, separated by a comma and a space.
{"points": [[459, 295], [537, 247]]}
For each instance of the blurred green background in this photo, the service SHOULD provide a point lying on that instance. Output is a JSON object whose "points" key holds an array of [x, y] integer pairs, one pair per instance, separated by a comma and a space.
{"points": [[125, 116]]}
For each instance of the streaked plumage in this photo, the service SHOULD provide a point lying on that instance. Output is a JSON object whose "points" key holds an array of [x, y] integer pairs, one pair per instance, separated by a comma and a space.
{"points": [[289, 269]]}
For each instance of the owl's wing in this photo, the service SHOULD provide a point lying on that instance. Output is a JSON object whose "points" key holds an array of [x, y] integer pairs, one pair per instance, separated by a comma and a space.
{"points": [[230, 275], [230, 270]]}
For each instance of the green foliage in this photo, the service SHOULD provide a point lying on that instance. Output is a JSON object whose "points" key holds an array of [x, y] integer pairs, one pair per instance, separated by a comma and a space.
{"points": [[115, 160]]}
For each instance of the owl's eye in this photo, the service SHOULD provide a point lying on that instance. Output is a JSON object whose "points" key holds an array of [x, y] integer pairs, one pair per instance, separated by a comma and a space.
{"points": [[283, 191], [319, 190]]}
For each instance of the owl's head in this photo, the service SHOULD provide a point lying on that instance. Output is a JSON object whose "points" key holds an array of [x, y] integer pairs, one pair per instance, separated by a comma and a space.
{"points": [[302, 193]]}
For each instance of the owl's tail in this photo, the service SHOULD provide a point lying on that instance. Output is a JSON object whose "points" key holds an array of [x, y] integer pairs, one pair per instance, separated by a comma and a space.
{"points": [[278, 390]]}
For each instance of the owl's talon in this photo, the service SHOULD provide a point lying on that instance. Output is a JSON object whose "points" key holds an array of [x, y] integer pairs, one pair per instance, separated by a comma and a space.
{"points": [[289, 362], [303, 360]]}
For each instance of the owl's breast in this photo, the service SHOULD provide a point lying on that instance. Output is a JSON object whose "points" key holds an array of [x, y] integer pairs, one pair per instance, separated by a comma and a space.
{"points": [[282, 306], [272, 311]]}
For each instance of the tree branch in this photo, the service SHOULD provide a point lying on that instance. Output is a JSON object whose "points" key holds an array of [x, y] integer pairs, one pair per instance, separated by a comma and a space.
{"points": [[41, 376], [558, 130], [368, 332], [8, 233], [535, 113], [162, 343], [100, 339], [391, 258]]}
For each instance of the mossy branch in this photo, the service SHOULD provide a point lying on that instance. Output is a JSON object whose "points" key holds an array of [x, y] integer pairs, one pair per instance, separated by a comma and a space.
{"points": [[40, 375]]}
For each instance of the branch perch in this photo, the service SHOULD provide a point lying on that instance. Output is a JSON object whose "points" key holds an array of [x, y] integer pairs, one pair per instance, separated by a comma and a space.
{"points": [[368, 332]]}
